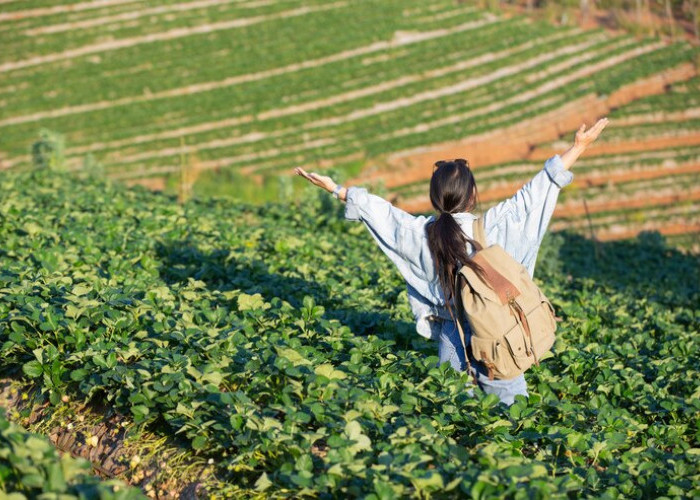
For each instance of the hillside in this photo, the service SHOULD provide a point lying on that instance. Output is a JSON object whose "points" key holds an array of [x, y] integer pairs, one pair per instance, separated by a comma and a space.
{"points": [[273, 348], [642, 174]]}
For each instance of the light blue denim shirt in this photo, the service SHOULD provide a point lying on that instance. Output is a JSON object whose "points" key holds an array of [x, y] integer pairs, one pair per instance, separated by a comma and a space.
{"points": [[517, 224]]}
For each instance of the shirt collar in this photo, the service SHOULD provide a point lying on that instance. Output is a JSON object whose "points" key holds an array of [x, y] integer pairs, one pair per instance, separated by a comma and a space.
{"points": [[464, 216]]}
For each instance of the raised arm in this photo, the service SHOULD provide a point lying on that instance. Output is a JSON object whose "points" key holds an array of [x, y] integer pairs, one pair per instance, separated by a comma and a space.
{"points": [[519, 223], [399, 234], [582, 140]]}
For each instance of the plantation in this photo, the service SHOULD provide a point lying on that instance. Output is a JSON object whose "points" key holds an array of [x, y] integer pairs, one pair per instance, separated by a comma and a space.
{"points": [[251, 86], [643, 173], [30, 466], [276, 342], [211, 347]]}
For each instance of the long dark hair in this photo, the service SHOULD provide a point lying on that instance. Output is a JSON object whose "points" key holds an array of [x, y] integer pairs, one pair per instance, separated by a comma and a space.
{"points": [[452, 190]]}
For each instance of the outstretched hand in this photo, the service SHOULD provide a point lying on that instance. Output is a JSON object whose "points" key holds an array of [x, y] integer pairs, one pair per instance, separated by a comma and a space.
{"points": [[585, 137], [322, 181]]}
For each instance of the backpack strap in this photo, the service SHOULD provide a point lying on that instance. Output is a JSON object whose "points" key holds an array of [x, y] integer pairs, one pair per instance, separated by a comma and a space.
{"points": [[479, 233], [458, 322]]}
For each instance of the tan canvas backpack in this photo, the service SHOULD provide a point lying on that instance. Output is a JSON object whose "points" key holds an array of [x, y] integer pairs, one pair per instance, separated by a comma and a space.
{"points": [[511, 320]]}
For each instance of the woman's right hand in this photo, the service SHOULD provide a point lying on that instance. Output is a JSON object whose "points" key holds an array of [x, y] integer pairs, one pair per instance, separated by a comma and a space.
{"points": [[586, 137]]}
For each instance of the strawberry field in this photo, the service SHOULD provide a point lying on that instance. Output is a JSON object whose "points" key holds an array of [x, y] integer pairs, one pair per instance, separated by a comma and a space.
{"points": [[276, 344]]}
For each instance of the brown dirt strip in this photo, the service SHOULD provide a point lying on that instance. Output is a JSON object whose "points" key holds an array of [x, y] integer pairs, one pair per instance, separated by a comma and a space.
{"points": [[578, 209], [159, 37], [666, 230], [668, 213], [422, 203], [659, 117], [152, 183], [515, 142], [59, 9], [229, 82], [159, 472], [136, 14]]}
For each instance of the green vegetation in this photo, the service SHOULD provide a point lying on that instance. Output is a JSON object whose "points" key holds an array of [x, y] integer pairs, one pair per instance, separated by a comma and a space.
{"points": [[30, 467], [277, 341]]}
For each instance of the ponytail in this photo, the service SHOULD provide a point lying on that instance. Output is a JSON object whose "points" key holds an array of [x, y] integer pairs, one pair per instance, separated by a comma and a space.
{"points": [[452, 190]]}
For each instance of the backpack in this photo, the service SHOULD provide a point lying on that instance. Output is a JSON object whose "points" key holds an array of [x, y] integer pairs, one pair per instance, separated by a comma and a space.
{"points": [[511, 320]]}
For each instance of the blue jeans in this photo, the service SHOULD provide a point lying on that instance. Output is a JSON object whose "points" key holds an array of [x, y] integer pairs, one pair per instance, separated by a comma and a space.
{"points": [[450, 349]]}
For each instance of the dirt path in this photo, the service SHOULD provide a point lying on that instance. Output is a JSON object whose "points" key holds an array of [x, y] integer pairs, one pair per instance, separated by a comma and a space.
{"points": [[60, 9], [229, 82], [159, 37], [515, 142], [575, 209], [623, 233], [167, 467], [136, 14]]}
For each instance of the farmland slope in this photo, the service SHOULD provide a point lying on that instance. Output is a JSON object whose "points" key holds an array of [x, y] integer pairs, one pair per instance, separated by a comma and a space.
{"points": [[277, 341]]}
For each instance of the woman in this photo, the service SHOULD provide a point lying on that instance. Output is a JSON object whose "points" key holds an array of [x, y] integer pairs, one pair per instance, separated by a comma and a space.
{"points": [[426, 249]]}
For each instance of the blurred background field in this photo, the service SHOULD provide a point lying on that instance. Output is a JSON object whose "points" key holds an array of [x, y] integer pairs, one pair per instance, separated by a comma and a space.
{"points": [[226, 97]]}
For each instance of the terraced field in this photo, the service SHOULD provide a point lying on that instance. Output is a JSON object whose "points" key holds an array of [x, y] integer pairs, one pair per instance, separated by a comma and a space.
{"points": [[256, 87], [643, 174]]}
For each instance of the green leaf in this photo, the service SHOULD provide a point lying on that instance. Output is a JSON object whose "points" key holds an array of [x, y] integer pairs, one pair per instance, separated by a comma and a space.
{"points": [[263, 482], [81, 289], [432, 481], [79, 374], [293, 356], [56, 481], [199, 442], [251, 302], [32, 369], [304, 462], [328, 370]]}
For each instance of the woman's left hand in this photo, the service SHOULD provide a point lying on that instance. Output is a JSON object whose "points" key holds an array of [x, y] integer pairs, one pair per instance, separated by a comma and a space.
{"points": [[322, 181]]}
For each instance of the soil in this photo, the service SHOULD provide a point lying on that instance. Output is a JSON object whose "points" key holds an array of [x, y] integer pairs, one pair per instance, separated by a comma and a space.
{"points": [[152, 183], [630, 232], [110, 455], [577, 208]]}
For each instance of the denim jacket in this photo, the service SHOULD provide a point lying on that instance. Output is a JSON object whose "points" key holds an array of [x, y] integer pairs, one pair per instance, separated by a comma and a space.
{"points": [[517, 224]]}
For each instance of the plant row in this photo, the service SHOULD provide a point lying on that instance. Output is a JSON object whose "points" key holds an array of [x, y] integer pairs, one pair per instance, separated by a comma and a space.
{"points": [[277, 341]]}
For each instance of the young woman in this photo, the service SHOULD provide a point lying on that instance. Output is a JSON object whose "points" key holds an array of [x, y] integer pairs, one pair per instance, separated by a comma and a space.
{"points": [[426, 249]]}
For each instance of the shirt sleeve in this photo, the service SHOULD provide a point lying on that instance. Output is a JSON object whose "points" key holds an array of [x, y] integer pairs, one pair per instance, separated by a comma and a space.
{"points": [[398, 233], [518, 224]]}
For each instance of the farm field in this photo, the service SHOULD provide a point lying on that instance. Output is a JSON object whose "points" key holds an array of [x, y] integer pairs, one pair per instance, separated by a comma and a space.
{"points": [[245, 90], [643, 174], [246, 341], [275, 344]]}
